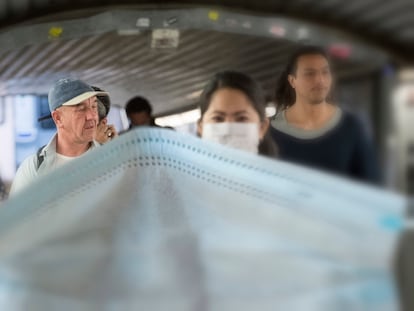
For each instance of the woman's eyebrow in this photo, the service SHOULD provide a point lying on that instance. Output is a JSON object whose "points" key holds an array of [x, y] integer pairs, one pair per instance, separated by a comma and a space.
{"points": [[240, 112], [218, 112]]}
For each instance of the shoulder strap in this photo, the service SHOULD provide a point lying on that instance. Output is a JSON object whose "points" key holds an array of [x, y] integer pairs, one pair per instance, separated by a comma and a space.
{"points": [[40, 157]]}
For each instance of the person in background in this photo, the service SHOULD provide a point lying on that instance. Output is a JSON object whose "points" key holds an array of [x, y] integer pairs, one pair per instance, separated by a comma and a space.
{"points": [[139, 112], [74, 108], [104, 132], [310, 129], [233, 113]]}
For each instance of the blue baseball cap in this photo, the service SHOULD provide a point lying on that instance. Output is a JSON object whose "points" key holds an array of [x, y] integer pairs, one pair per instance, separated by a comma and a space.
{"points": [[69, 92]]}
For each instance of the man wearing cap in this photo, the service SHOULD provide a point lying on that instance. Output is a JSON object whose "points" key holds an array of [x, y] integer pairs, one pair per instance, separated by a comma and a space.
{"points": [[74, 109]]}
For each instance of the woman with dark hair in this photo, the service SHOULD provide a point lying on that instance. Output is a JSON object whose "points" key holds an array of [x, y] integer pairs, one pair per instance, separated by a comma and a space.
{"points": [[310, 129], [233, 113]]}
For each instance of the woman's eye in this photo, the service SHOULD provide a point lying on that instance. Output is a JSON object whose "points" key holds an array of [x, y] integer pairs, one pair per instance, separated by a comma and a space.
{"points": [[217, 119], [242, 119]]}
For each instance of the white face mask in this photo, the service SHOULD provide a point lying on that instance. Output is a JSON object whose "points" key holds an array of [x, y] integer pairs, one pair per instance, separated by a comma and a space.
{"points": [[244, 136]]}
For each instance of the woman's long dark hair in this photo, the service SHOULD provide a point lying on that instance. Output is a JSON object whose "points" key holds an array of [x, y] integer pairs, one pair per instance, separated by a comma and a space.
{"points": [[249, 87], [285, 95]]}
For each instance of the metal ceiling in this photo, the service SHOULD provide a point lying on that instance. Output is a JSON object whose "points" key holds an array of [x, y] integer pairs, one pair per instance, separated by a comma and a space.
{"points": [[92, 48], [389, 24], [126, 65]]}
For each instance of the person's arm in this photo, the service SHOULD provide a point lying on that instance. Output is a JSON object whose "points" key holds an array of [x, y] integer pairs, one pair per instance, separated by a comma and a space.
{"points": [[365, 166], [25, 175]]}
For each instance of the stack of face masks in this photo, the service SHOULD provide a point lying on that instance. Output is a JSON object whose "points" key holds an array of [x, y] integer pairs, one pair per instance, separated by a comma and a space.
{"points": [[156, 220]]}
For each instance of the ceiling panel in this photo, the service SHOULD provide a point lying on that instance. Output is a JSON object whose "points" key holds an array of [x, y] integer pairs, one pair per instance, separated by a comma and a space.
{"points": [[127, 66]]}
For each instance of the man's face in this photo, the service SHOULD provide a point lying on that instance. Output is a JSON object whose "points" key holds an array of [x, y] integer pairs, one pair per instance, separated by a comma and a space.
{"points": [[312, 80], [139, 118], [78, 123]]}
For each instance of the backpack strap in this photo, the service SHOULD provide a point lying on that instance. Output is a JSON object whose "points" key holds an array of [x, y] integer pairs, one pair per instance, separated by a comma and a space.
{"points": [[40, 157]]}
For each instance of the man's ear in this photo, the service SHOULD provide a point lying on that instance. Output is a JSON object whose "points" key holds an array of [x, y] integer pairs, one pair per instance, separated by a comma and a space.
{"points": [[199, 128], [291, 80], [57, 118], [264, 127], [104, 121]]}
